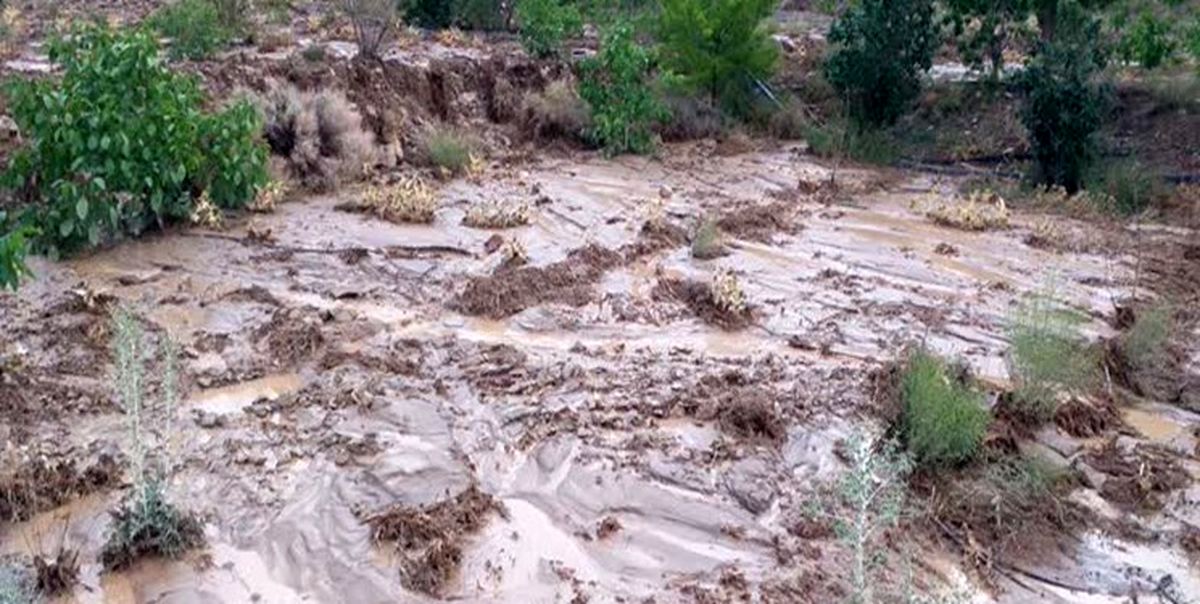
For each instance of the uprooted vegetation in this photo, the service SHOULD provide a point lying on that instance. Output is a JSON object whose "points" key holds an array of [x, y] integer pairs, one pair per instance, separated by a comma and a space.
{"points": [[497, 214], [980, 210], [409, 200], [430, 538], [721, 302]]}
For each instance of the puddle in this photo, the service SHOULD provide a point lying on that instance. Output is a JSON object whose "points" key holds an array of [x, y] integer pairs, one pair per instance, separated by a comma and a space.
{"points": [[232, 399]]}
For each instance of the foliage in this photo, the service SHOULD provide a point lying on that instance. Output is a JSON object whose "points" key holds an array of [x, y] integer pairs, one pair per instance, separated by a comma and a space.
{"points": [[707, 243], [982, 28], [146, 523], [374, 22], [194, 27], [869, 499], [1063, 105], [1047, 354], [544, 24], [1145, 343], [448, 150], [556, 111], [1148, 41], [432, 14], [410, 200], [16, 586], [1192, 39], [486, 15], [320, 133], [120, 143], [1128, 185], [880, 48], [615, 85], [13, 247], [944, 420], [718, 47], [838, 139], [233, 14]]}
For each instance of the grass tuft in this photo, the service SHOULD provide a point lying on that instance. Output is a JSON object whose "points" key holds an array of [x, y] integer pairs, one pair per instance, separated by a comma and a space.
{"points": [[1048, 355], [944, 420]]}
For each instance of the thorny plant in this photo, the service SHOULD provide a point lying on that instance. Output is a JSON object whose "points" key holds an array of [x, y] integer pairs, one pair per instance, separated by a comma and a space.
{"points": [[867, 500]]}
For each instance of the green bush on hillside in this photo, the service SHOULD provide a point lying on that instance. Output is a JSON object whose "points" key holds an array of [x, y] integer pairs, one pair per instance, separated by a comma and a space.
{"points": [[119, 144], [720, 48], [193, 26], [616, 86], [545, 24]]}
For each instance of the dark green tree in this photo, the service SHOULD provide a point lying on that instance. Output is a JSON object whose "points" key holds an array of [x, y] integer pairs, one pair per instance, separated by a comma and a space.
{"points": [[718, 47], [880, 50]]}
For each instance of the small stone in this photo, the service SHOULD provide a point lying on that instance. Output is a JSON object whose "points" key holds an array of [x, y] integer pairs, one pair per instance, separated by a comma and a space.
{"points": [[666, 192]]}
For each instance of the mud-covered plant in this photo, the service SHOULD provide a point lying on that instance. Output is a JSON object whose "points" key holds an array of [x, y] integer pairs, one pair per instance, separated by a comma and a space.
{"points": [[320, 133], [719, 48], [546, 24], [708, 243], [409, 200], [616, 86], [1147, 41], [1145, 343], [374, 23], [556, 111], [497, 215], [194, 28], [1048, 354], [867, 500], [146, 523], [120, 143], [880, 49], [727, 293], [943, 420], [1064, 105], [448, 150]]}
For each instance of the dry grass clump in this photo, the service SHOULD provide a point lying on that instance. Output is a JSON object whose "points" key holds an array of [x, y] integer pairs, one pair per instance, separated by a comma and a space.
{"points": [[207, 214], [981, 210], [268, 197], [497, 215], [555, 112], [411, 200], [514, 253], [727, 292], [320, 133]]}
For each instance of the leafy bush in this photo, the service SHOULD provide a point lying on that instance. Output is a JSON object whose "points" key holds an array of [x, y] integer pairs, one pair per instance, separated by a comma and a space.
{"points": [[544, 24], [1192, 39], [320, 133], [448, 150], [1063, 106], [13, 247], [374, 21], [433, 14], [1047, 355], [1129, 186], [146, 523], [194, 27], [880, 48], [718, 47], [615, 85], [1148, 41], [120, 143], [944, 420], [982, 28]]}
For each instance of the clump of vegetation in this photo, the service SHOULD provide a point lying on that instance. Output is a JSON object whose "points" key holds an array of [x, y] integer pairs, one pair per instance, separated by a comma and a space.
{"points": [[943, 419], [727, 293], [880, 49], [146, 523], [485, 15], [514, 253], [410, 200], [1128, 187], [707, 243], [837, 139], [13, 247], [557, 111], [193, 26], [449, 151], [981, 210], [320, 133], [720, 48], [433, 14], [867, 500], [545, 24], [374, 24], [982, 28], [101, 162], [1048, 355], [1063, 105], [1148, 41], [1145, 342], [615, 85], [497, 215], [16, 587]]}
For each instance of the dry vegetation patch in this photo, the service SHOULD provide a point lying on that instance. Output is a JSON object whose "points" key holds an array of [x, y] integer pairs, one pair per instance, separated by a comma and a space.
{"points": [[979, 211], [720, 302], [410, 200]]}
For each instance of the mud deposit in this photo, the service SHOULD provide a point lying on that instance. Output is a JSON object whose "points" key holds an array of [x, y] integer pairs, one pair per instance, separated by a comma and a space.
{"points": [[381, 412]]}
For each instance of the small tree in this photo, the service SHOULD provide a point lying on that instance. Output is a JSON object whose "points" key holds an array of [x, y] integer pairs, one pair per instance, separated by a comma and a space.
{"points": [[983, 27], [718, 47], [373, 22], [1064, 106], [544, 24], [433, 14], [1147, 42], [615, 85], [880, 50]]}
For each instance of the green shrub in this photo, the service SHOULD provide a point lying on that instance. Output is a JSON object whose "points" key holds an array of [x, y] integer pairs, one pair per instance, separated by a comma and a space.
{"points": [[1128, 185], [944, 420], [485, 15], [1048, 355], [1192, 39], [544, 24], [1148, 41], [1145, 343], [1063, 105], [720, 48], [432, 14], [13, 247], [880, 48], [615, 85], [194, 27], [120, 143], [837, 139], [447, 150]]}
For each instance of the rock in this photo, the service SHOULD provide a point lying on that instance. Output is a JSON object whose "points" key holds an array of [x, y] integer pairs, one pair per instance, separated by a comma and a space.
{"points": [[784, 42], [666, 192], [1091, 476], [752, 484], [208, 420], [1044, 453]]}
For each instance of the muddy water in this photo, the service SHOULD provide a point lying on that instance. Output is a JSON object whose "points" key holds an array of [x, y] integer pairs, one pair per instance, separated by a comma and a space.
{"points": [[345, 387]]}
